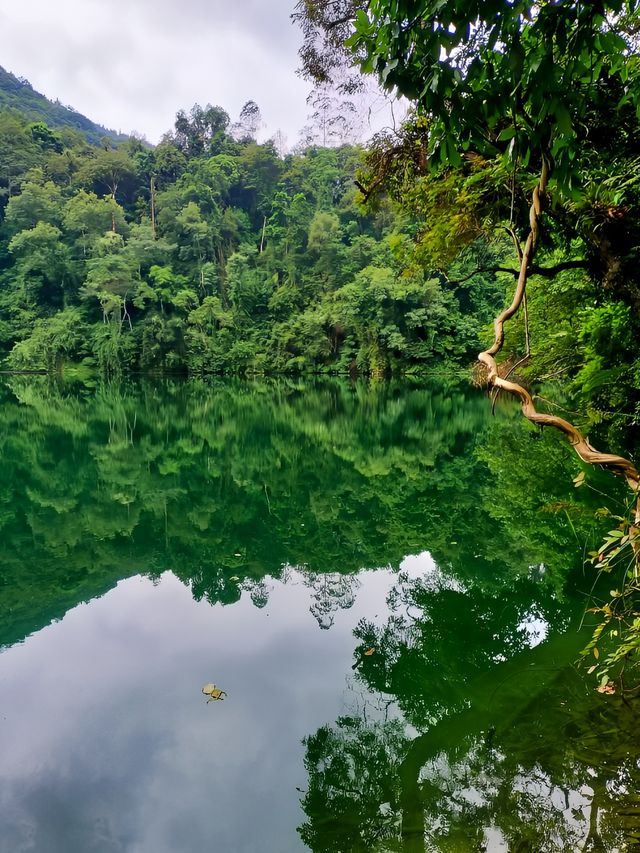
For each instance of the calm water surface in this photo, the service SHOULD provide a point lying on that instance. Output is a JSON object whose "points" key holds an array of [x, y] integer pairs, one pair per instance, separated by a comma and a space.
{"points": [[385, 582]]}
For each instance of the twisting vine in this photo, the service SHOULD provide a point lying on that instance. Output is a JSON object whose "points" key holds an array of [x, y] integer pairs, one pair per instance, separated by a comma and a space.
{"points": [[585, 451], [624, 617]]}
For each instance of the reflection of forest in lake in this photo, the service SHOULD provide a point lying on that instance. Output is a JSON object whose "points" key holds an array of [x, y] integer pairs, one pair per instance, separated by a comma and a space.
{"points": [[490, 739], [486, 735], [225, 484]]}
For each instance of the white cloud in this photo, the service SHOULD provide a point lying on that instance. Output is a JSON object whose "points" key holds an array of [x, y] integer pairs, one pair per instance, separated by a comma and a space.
{"points": [[131, 64]]}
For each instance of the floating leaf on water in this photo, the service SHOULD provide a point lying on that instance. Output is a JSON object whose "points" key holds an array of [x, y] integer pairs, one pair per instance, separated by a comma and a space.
{"points": [[213, 692]]}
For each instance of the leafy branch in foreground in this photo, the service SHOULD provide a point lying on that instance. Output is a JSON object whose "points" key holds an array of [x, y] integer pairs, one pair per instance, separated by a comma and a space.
{"points": [[615, 641]]}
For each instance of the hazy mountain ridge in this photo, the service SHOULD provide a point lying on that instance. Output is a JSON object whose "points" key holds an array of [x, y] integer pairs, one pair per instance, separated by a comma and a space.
{"points": [[18, 94]]}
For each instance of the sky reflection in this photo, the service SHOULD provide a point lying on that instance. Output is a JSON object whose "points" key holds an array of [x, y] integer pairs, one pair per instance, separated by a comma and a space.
{"points": [[108, 743]]}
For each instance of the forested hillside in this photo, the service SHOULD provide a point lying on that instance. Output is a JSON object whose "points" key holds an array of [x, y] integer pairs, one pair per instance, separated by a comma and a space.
{"points": [[19, 95]]}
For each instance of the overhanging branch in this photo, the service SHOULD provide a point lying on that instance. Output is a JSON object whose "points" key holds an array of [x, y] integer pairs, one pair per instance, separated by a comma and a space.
{"points": [[615, 463], [545, 272]]}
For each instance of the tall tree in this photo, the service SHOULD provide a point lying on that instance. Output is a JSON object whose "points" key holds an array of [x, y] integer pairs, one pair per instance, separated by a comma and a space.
{"points": [[248, 124]]}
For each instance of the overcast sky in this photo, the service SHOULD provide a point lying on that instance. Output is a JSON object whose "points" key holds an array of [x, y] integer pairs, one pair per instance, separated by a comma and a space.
{"points": [[131, 64]]}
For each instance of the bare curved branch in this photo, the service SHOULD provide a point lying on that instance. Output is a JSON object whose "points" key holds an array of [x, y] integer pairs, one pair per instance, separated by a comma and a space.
{"points": [[615, 463]]}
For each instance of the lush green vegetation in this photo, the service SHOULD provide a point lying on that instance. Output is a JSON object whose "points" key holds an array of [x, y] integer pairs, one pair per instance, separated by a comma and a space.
{"points": [[227, 483], [526, 124], [213, 253], [499, 90]]}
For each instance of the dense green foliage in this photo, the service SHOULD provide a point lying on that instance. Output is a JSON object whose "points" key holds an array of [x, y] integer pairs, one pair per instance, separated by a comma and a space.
{"points": [[212, 253], [497, 87], [228, 484], [527, 121], [524, 73]]}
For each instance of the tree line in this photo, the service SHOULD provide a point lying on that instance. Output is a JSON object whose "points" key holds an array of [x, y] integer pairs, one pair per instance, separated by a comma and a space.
{"points": [[214, 253]]}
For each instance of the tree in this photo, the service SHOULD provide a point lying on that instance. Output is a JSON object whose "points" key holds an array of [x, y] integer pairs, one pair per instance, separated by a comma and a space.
{"points": [[44, 136], [39, 201], [107, 172], [146, 249], [250, 121], [42, 263], [194, 233], [87, 218], [333, 120], [112, 278], [261, 169], [18, 153], [202, 131], [170, 163], [53, 339]]}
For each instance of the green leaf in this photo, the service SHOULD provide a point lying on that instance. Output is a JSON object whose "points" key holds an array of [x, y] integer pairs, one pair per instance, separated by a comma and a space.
{"points": [[507, 134], [563, 118]]}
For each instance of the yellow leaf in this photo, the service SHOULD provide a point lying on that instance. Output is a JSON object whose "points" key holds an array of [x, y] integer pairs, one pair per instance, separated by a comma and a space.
{"points": [[596, 653], [369, 652], [214, 693]]}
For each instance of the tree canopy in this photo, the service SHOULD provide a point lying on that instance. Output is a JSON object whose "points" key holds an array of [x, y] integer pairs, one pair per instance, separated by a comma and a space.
{"points": [[490, 75]]}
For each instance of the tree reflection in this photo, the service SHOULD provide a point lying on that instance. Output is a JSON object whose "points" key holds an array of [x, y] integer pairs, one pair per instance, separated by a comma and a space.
{"points": [[227, 484], [230, 485], [492, 743], [331, 592]]}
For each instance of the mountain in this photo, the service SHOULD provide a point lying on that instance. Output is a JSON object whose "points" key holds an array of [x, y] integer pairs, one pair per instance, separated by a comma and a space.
{"points": [[18, 94]]}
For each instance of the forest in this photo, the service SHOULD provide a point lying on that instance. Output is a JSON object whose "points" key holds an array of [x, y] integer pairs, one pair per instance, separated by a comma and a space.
{"points": [[213, 253], [516, 170], [345, 432]]}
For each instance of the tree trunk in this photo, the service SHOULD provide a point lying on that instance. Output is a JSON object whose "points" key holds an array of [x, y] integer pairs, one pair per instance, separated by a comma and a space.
{"points": [[152, 192]]}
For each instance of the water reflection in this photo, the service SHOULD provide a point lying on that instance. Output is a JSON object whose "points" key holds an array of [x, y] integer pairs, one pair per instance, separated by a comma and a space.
{"points": [[500, 746], [331, 592], [358, 567], [227, 484]]}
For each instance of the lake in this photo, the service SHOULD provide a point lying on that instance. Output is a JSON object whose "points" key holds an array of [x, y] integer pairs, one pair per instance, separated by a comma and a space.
{"points": [[385, 581]]}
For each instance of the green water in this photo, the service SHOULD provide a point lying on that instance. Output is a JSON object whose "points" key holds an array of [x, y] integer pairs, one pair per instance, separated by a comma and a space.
{"points": [[384, 580]]}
